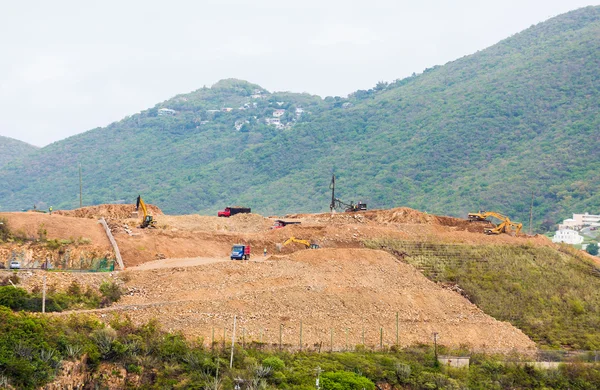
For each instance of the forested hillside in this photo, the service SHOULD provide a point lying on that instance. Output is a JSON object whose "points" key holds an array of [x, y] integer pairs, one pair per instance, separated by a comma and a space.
{"points": [[482, 132], [12, 149]]}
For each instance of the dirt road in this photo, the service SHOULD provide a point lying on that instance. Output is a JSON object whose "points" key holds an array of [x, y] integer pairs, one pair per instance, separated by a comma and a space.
{"points": [[173, 263]]}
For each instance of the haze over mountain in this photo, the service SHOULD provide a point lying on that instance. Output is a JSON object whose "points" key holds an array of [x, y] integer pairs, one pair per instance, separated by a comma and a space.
{"points": [[481, 132], [12, 149]]}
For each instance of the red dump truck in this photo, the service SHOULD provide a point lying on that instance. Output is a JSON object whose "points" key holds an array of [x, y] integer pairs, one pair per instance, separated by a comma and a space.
{"points": [[229, 211]]}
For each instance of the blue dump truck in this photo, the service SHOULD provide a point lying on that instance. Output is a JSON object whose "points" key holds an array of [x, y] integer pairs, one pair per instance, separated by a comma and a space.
{"points": [[240, 252]]}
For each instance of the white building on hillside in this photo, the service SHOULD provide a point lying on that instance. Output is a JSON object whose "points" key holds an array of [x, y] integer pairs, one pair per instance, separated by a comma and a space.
{"points": [[580, 220], [166, 111], [567, 236]]}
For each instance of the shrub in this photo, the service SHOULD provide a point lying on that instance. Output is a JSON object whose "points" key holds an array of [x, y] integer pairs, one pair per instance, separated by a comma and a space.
{"points": [[5, 234], [274, 363], [344, 380], [111, 291]]}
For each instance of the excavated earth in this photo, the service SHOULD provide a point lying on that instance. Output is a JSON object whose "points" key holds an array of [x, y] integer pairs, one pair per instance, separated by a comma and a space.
{"points": [[181, 275]]}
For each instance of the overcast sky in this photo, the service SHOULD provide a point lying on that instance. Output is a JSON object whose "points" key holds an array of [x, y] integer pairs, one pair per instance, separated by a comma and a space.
{"points": [[69, 66]]}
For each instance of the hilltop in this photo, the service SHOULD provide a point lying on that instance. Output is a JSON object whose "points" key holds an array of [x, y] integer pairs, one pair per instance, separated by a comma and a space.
{"points": [[12, 149], [481, 132]]}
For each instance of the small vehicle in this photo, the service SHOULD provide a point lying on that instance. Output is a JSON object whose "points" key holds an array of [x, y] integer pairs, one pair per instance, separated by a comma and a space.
{"points": [[240, 252], [306, 243], [281, 223], [15, 264], [229, 211]]}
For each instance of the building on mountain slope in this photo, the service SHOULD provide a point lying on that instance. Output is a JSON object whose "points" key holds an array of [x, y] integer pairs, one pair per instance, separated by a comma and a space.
{"points": [[579, 221], [568, 236], [166, 111]]}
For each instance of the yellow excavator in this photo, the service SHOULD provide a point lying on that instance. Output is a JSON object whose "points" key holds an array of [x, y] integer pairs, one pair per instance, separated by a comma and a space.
{"points": [[147, 220], [505, 225], [306, 243]]}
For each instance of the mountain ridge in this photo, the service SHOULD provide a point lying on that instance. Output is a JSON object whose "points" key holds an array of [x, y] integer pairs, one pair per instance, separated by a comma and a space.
{"points": [[483, 131], [12, 149]]}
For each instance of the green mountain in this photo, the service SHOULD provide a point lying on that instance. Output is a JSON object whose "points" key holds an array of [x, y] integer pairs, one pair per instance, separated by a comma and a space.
{"points": [[12, 149], [482, 132]]}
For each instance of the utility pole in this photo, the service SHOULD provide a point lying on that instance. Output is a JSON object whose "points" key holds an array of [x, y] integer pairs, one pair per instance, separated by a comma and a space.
{"points": [[332, 186], [80, 190], [319, 371], [531, 215], [435, 335]]}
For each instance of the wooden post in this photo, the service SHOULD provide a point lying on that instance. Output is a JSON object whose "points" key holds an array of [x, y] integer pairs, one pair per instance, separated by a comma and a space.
{"points": [[224, 335], [261, 334], [44, 296], [363, 336], [243, 338], [212, 344], [232, 344], [381, 338], [346, 339], [397, 331], [301, 335], [280, 335], [331, 349]]}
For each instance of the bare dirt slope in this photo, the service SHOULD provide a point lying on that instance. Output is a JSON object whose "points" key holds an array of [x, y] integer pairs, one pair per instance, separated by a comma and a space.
{"points": [[79, 238], [341, 289], [179, 273], [205, 236]]}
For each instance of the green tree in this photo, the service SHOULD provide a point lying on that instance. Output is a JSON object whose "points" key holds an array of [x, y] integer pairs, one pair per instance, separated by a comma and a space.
{"points": [[592, 249]]}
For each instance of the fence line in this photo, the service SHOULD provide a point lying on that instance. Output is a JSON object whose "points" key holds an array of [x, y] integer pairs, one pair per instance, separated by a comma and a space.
{"points": [[292, 338]]}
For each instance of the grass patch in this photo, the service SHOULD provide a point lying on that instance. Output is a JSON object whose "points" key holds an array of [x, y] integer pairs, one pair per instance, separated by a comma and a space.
{"points": [[553, 296], [33, 348]]}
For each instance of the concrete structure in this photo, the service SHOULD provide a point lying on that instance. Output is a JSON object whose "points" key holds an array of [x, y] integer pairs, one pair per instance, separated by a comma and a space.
{"points": [[166, 111], [279, 112], [568, 236], [454, 361], [580, 220]]}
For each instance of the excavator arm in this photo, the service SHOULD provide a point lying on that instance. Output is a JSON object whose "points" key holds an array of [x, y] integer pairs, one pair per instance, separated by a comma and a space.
{"points": [[306, 243], [505, 225], [147, 220]]}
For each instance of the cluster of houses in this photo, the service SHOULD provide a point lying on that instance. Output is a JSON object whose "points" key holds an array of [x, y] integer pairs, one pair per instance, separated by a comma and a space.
{"points": [[274, 120], [570, 230]]}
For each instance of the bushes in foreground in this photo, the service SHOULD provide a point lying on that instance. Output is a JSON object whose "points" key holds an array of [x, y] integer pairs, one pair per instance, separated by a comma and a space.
{"points": [[32, 349], [75, 297]]}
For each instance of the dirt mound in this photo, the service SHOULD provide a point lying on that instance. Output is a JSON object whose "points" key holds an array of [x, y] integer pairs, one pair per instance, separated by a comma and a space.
{"points": [[346, 291], [400, 215], [62, 240], [108, 211]]}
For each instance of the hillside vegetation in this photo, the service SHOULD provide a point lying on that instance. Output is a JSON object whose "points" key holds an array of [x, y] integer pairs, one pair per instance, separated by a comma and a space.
{"points": [[81, 351], [552, 296], [12, 149], [482, 132]]}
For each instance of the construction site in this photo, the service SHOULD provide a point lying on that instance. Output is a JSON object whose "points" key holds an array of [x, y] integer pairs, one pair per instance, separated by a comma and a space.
{"points": [[312, 280]]}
